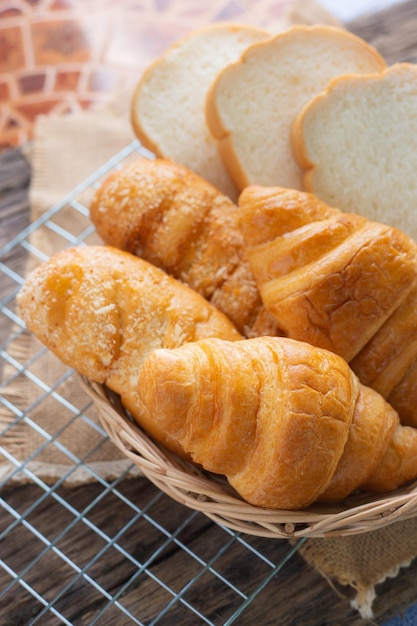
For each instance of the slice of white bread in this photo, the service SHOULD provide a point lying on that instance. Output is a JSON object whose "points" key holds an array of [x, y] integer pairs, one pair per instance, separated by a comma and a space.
{"points": [[168, 104], [252, 103], [358, 142]]}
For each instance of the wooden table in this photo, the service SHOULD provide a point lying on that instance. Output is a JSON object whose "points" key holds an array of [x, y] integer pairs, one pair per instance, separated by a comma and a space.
{"points": [[141, 553]]}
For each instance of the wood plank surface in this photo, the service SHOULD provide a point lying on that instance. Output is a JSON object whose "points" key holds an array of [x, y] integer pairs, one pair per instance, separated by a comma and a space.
{"points": [[14, 205], [296, 596], [392, 32]]}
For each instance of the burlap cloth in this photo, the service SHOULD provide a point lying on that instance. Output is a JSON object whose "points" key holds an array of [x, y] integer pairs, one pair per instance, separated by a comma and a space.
{"points": [[64, 152]]}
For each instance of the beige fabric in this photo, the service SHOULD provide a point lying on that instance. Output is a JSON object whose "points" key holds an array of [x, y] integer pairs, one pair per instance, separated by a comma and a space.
{"points": [[65, 151], [364, 561]]}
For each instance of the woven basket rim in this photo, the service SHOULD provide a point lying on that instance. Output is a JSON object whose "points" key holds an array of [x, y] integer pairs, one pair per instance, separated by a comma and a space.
{"points": [[212, 495]]}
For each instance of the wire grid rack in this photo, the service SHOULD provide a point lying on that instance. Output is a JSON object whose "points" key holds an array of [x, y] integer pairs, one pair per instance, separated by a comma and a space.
{"points": [[116, 549]]}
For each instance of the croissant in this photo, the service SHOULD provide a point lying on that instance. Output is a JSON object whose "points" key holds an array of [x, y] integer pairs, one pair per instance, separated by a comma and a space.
{"points": [[166, 214], [338, 281], [287, 423], [101, 310]]}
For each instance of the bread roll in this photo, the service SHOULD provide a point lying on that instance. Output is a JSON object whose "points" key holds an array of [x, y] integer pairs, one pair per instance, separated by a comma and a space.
{"points": [[338, 281], [169, 216], [287, 423], [101, 311]]}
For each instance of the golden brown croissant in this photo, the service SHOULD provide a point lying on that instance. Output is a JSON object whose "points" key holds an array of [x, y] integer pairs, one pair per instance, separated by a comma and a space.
{"points": [[286, 422], [169, 216], [101, 310], [338, 281]]}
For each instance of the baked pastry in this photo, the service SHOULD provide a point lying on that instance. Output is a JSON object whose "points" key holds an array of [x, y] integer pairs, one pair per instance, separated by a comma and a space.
{"points": [[388, 362], [394, 345], [166, 214], [287, 423], [252, 102], [357, 144], [338, 281], [120, 321], [101, 311], [168, 102]]}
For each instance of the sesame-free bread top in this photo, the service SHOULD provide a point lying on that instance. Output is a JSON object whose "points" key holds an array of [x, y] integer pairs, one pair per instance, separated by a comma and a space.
{"points": [[168, 104], [252, 103], [358, 144]]}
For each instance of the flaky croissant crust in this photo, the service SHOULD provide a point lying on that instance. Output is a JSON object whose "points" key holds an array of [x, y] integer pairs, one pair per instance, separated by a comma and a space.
{"points": [[338, 281], [287, 423]]}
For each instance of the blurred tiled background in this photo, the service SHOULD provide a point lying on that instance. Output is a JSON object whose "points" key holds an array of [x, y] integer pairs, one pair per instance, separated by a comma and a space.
{"points": [[58, 56], [63, 55]]}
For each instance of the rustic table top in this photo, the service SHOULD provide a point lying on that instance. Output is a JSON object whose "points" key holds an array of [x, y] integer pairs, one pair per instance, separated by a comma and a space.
{"points": [[145, 552]]}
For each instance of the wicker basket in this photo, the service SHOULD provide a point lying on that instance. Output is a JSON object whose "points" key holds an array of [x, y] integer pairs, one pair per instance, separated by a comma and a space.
{"points": [[213, 496]]}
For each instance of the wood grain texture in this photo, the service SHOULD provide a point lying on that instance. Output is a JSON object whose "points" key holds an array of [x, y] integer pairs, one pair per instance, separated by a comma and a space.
{"points": [[392, 31], [14, 204], [283, 601]]}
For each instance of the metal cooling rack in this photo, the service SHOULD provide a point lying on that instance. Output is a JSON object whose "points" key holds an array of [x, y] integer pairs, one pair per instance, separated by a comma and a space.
{"points": [[112, 551]]}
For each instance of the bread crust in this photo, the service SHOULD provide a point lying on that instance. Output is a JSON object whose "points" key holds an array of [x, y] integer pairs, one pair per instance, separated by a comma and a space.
{"points": [[101, 310], [169, 216], [339, 281], [287, 423], [355, 142], [158, 110], [253, 129]]}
